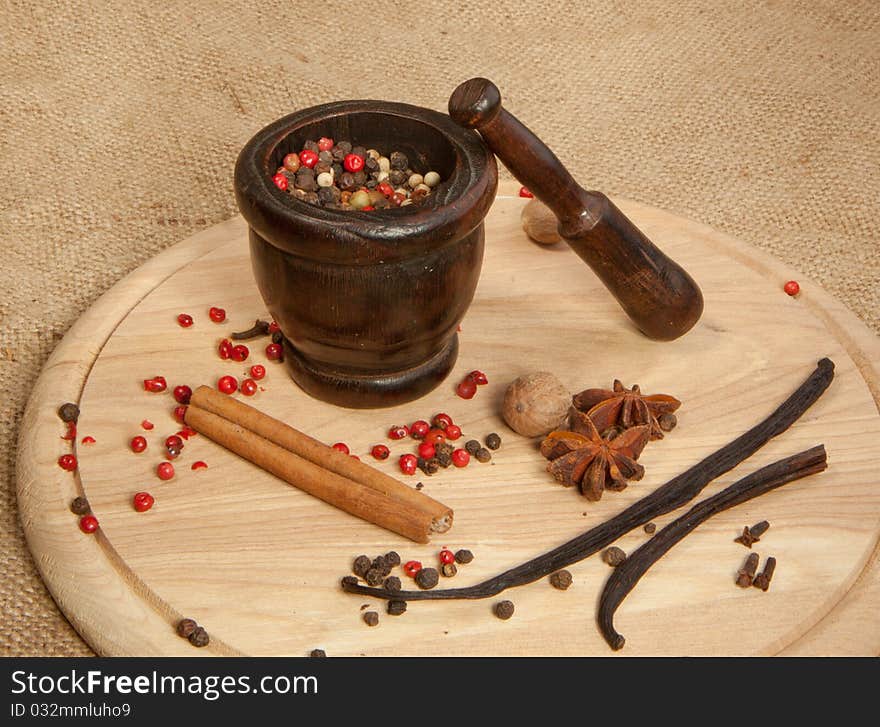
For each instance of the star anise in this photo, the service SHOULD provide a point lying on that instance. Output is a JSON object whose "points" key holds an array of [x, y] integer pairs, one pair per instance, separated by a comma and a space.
{"points": [[627, 408], [582, 457]]}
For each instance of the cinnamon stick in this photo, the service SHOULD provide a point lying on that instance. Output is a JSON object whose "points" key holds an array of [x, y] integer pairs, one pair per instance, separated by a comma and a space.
{"points": [[311, 449], [402, 516]]}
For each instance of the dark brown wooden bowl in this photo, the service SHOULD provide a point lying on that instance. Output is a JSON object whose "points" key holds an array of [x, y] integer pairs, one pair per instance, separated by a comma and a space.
{"points": [[369, 302]]}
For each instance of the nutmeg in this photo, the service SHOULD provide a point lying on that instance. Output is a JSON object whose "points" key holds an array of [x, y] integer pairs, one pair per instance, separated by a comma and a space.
{"points": [[539, 223], [536, 404]]}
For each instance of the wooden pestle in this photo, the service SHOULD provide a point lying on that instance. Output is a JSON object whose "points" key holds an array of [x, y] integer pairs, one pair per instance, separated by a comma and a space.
{"points": [[656, 293]]}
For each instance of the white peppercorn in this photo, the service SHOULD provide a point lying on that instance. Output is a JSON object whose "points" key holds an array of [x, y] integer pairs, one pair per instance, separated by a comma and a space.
{"points": [[432, 179]]}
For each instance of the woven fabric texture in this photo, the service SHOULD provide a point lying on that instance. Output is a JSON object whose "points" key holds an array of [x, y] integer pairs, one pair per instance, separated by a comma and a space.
{"points": [[120, 124]]}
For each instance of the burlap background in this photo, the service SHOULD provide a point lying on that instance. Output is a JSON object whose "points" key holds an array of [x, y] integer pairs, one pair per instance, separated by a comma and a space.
{"points": [[119, 126]]}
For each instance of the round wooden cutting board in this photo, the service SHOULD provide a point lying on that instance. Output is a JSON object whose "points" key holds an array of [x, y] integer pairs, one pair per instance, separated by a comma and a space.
{"points": [[258, 562]]}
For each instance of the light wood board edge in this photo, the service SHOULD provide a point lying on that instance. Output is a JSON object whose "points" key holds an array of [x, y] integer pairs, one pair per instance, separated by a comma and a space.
{"points": [[84, 572]]}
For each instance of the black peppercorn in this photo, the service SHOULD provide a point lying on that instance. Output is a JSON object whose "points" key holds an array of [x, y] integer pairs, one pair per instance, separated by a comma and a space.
{"points": [[311, 198], [317, 653], [613, 556], [372, 184], [493, 441], [80, 506], [360, 151], [374, 577], [361, 565], [329, 195], [392, 583], [199, 637], [444, 459], [337, 170], [392, 558], [561, 579], [305, 180], [650, 528], [483, 455], [504, 609], [432, 466], [185, 627], [360, 178], [344, 147], [382, 565], [395, 608], [463, 556], [346, 182], [371, 618], [472, 446], [448, 570], [325, 156], [444, 447], [398, 160], [427, 578], [396, 177], [371, 165], [349, 581], [68, 412], [311, 145]]}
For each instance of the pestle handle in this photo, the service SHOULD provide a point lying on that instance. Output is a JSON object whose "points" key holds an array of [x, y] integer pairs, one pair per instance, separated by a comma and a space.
{"points": [[656, 292]]}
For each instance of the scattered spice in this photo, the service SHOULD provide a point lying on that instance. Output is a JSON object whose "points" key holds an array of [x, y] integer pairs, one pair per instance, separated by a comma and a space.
{"points": [[143, 501], [483, 455], [444, 459], [67, 462], [561, 579], [751, 535], [371, 618], [392, 558], [374, 576], [650, 528], [504, 610], [317, 653], [88, 524], [71, 432], [199, 465], [68, 412], [427, 578], [625, 407], [472, 446], [147, 424], [361, 565], [184, 320], [791, 288], [746, 574], [627, 575], [581, 457], [673, 494], [392, 583], [80, 506], [448, 570], [613, 556], [463, 556], [260, 328], [493, 441], [185, 627], [396, 607], [87, 440], [412, 568], [762, 580], [667, 422]]}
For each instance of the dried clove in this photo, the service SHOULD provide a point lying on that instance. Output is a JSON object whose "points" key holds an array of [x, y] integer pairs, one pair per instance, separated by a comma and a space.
{"points": [[676, 492], [260, 328], [751, 535], [746, 574], [762, 580]]}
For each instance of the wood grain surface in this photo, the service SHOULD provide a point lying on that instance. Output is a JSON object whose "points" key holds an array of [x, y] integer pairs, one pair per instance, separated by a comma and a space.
{"points": [[258, 562]]}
